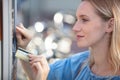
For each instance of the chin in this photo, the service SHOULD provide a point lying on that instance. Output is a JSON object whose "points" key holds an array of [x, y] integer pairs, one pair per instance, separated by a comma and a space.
{"points": [[82, 45]]}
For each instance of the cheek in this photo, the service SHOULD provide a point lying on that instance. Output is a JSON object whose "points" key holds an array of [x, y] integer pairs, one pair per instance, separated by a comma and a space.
{"points": [[95, 35], [95, 28]]}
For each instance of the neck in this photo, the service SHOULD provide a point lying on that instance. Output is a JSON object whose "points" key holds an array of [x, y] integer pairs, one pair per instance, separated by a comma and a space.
{"points": [[100, 53], [100, 56]]}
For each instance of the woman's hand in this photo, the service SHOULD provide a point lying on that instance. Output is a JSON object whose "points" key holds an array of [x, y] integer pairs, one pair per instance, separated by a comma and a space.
{"points": [[23, 36], [40, 66]]}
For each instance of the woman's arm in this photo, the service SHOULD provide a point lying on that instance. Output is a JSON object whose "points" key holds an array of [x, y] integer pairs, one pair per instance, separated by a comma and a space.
{"points": [[28, 70], [39, 66], [23, 38]]}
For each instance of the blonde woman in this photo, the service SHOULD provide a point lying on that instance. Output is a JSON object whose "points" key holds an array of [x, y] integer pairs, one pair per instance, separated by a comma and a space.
{"points": [[97, 27]]}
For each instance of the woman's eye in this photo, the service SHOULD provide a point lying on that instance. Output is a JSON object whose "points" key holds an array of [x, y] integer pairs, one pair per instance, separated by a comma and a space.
{"points": [[76, 19], [84, 20], [81, 20]]}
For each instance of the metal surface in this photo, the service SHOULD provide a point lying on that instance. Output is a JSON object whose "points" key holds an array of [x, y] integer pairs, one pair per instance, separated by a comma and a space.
{"points": [[7, 40]]}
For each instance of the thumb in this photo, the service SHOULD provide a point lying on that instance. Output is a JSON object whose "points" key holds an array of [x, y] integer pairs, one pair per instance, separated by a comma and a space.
{"points": [[21, 26], [22, 31]]}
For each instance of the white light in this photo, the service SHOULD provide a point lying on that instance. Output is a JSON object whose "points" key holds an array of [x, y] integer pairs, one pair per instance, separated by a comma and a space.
{"points": [[48, 53], [54, 45], [64, 45], [39, 26], [58, 18], [69, 19], [48, 43]]}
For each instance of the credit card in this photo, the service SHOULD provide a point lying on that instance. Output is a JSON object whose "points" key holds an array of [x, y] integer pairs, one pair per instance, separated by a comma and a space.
{"points": [[22, 54]]}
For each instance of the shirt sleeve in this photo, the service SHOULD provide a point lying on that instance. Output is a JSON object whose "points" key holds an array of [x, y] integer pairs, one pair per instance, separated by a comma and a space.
{"points": [[66, 69], [60, 70]]}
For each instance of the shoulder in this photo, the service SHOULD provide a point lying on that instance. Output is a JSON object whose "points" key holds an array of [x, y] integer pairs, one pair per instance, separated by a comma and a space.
{"points": [[67, 65], [80, 56], [74, 59], [77, 60]]}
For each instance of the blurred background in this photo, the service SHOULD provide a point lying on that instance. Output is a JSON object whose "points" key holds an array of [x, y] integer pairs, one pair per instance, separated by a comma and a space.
{"points": [[51, 22]]}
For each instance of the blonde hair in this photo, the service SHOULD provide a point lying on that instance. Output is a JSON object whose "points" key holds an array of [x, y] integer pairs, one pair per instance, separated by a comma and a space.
{"points": [[108, 9]]}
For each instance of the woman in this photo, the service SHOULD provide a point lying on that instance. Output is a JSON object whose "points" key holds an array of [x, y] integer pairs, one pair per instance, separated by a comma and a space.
{"points": [[97, 27]]}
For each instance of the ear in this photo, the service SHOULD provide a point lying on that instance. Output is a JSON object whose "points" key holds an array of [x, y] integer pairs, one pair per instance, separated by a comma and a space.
{"points": [[110, 25]]}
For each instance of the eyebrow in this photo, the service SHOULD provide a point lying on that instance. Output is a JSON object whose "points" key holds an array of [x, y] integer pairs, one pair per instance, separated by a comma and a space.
{"points": [[81, 15]]}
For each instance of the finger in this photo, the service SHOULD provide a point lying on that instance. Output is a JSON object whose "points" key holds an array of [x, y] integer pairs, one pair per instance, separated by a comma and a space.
{"points": [[37, 66], [40, 72], [21, 26], [31, 56], [35, 60], [22, 31], [34, 69], [18, 35], [19, 38], [40, 58], [45, 66], [44, 62]]}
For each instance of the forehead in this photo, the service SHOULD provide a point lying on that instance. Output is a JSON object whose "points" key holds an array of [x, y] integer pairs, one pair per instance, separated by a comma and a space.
{"points": [[85, 8]]}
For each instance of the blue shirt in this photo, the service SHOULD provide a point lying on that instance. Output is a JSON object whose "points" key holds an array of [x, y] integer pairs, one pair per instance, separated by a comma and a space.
{"points": [[72, 69]]}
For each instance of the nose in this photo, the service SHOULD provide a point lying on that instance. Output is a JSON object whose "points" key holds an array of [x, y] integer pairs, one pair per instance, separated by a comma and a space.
{"points": [[76, 27]]}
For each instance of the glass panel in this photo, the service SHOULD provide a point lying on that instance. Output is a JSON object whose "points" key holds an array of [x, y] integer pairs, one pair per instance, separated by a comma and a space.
{"points": [[51, 23]]}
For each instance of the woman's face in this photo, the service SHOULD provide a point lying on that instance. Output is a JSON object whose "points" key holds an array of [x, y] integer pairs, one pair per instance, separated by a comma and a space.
{"points": [[89, 27]]}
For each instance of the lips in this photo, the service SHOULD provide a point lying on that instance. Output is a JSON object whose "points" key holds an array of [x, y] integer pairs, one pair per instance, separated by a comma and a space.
{"points": [[79, 37]]}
